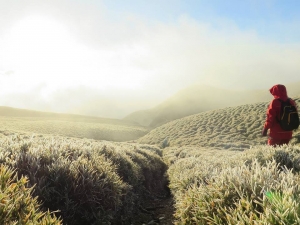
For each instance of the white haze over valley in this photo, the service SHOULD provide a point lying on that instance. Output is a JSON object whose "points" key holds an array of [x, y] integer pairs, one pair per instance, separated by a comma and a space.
{"points": [[87, 57]]}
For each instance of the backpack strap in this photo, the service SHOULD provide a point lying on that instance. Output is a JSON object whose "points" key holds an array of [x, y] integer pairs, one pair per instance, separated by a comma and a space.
{"points": [[281, 101]]}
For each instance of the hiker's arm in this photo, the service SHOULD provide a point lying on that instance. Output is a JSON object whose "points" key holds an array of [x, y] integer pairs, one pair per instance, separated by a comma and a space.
{"points": [[271, 115]]}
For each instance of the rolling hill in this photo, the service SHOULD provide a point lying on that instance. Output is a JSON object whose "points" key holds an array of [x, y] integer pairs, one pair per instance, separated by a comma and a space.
{"points": [[200, 98], [117, 181], [22, 120], [228, 128]]}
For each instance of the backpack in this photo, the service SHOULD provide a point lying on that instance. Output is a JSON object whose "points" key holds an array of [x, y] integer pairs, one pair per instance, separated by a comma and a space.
{"points": [[289, 118]]}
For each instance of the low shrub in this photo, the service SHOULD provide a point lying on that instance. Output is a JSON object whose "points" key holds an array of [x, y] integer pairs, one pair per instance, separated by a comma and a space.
{"points": [[257, 186], [252, 194], [17, 205], [89, 182]]}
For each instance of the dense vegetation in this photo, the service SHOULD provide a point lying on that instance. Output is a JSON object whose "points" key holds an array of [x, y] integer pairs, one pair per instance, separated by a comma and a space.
{"points": [[220, 173], [18, 206], [215, 163], [258, 186], [82, 181]]}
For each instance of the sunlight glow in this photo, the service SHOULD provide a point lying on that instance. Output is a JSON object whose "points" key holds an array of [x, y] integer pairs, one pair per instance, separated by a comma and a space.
{"points": [[42, 52]]}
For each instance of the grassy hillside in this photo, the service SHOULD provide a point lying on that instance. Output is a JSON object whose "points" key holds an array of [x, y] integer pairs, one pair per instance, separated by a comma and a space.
{"points": [[221, 171], [229, 128], [214, 163], [22, 120], [200, 98], [82, 181]]}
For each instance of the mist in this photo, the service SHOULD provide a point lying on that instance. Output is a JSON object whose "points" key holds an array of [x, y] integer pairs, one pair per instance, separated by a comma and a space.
{"points": [[91, 60]]}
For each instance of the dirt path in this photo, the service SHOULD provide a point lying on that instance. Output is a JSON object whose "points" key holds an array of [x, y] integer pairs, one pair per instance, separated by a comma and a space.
{"points": [[157, 211]]}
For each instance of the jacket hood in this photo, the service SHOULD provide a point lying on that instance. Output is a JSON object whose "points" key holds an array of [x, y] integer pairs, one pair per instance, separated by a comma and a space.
{"points": [[279, 91]]}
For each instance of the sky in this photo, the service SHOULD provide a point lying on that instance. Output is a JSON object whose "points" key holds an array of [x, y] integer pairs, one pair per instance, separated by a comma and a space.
{"points": [[109, 58]]}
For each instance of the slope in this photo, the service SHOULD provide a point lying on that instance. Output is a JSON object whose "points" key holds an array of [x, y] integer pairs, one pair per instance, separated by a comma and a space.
{"points": [[200, 98], [228, 128], [22, 120]]}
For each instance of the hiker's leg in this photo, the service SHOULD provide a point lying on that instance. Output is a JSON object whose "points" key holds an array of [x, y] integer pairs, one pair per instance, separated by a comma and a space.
{"points": [[277, 142], [273, 142], [284, 141]]}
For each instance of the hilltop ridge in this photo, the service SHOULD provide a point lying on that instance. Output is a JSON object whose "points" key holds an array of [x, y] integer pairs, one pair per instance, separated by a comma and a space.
{"points": [[199, 98], [228, 128]]}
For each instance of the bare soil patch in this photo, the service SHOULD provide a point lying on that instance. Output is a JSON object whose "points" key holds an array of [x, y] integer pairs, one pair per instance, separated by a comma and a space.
{"points": [[156, 211]]}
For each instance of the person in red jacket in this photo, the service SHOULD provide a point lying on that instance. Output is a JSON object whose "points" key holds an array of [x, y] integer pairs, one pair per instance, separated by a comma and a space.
{"points": [[277, 135]]}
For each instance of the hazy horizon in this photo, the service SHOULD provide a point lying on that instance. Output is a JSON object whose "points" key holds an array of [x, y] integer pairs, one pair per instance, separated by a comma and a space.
{"points": [[110, 58]]}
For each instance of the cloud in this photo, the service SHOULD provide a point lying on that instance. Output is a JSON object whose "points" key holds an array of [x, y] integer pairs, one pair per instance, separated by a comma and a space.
{"points": [[190, 51], [6, 73], [126, 63]]}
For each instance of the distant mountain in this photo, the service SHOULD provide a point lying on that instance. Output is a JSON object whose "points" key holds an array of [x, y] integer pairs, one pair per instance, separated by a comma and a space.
{"points": [[200, 98], [236, 128]]}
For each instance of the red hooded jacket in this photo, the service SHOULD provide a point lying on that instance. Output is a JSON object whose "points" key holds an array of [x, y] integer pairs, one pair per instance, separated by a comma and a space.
{"points": [[273, 113]]}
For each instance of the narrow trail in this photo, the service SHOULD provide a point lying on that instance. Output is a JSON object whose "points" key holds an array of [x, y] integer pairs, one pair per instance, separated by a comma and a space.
{"points": [[157, 211], [165, 211]]}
